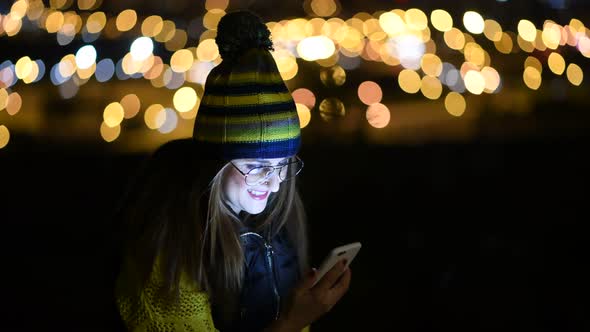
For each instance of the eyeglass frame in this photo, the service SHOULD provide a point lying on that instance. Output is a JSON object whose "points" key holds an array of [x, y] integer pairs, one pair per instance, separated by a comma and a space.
{"points": [[269, 174]]}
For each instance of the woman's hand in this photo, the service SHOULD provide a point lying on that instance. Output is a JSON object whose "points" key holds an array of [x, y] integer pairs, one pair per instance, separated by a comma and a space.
{"points": [[308, 303]]}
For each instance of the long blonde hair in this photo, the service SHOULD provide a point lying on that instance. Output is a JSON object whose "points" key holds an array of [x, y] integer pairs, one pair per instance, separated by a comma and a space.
{"points": [[176, 214]]}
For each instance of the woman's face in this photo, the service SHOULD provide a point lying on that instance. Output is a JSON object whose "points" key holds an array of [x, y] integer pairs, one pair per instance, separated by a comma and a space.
{"points": [[250, 198]]}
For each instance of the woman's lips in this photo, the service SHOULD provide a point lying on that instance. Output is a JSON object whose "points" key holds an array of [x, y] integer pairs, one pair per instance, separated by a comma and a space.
{"points": [[258, 195]]}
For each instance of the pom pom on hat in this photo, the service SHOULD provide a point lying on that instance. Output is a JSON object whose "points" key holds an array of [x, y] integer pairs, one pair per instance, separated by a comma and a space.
{"points": [[240, 31], [246, 110]]}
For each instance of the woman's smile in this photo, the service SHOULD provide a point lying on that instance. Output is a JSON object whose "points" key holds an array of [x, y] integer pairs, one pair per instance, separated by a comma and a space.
{"points": [[258, 195]]}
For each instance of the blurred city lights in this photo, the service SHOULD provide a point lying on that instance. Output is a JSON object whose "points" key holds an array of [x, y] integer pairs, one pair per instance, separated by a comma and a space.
{"points": [[131, 105], [473, 22], [185, 99], [378, 115], [532, 77], [3, 98], [441, 20], [305, 97], [126, 20], [556, 63], [431, 87], [141, 48], [113, 114], [333, 76], [370, 92], [181, 61], [331, 108], [170, 121], [409, 81], [527, 30], [108, 133], [4, 136], [105, 69], [13, 104], [152, 118], [575, 74], [314, 48], [86, 57], [474, 82], [455, 103], [304, 115]]}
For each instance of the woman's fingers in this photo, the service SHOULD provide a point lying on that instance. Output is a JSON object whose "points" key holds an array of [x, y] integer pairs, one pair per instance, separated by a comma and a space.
{"points": [[331, 277]]}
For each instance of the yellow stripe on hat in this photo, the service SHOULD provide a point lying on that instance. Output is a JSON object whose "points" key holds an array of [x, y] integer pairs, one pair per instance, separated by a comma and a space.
{"points": [[246, 119], [247, 77], [246, 136], [256, 99]]}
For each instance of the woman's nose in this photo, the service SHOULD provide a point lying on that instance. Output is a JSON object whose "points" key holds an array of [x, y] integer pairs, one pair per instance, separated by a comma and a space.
{"points": [[274, 182]]}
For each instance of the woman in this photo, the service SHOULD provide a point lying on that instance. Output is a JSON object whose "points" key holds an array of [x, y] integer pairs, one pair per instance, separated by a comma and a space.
{"points": [[215, 229]]}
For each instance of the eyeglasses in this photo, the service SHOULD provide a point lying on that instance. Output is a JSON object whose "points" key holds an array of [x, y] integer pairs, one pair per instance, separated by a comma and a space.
{"points": [[260, 174]]}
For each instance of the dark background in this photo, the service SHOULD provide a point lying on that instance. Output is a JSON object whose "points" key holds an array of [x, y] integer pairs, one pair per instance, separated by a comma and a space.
{"points": [[484, 236]]}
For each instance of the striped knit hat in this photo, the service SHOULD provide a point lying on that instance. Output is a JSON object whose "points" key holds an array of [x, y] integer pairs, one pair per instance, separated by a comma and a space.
{"points": [[247, 110]]}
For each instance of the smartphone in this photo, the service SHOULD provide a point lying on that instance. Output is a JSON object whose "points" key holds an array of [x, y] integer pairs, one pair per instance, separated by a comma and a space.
{"points": [[347, 252]]}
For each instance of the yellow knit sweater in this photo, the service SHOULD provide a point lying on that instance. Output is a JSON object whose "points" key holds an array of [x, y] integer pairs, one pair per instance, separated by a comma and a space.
{"points": [[143, 311]]}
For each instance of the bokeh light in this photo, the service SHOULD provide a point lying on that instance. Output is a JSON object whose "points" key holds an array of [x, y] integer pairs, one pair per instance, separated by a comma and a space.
{"points": [[491, 78], [369, 92], [151, 26], [431, 65], [305, 97], [152, 118], [416, 19], [409, 81], [492, 30], [96, 22], [169, 121], [109, 134], [532, 78], [431, 87], [126, 20], [455, 103], [315, 48], [556, 63], [378, 115], [304, 115], [113, 114], [23, 67], [331, 108], [474, 82], [333, 76], [575, 74], [207, 50], [105, 69], [527, 30], [185, 99], [441, 20], [473, 22], [454, 39], [505, 44], [13, 104], [3, 98], [131, 105], [4, 136], [86, 57], [141, 48], [531, 61], [181, 61]]}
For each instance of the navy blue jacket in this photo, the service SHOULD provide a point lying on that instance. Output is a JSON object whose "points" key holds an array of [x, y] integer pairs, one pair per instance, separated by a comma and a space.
{"points": [[271, 272]]}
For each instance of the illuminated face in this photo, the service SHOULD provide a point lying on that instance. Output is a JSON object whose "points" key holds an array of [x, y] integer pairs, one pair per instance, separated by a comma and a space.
{"points": [[250, 198]]}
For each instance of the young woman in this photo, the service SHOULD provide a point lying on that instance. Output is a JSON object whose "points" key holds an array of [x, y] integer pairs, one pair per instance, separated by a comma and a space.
{"points": [[215, 235]]}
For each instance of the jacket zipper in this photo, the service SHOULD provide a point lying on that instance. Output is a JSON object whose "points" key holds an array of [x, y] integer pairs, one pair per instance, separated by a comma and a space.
{"points": [[269, 256]]}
